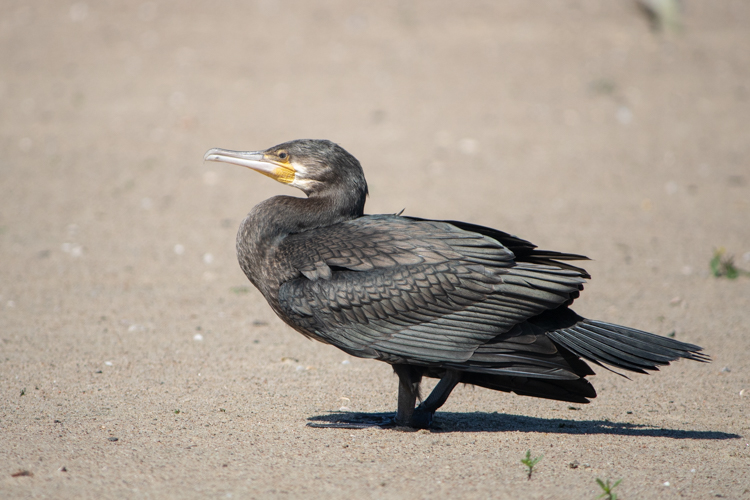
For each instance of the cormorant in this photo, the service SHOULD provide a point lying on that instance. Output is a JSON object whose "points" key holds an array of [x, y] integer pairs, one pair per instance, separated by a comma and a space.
{"points": [[443, 299]]}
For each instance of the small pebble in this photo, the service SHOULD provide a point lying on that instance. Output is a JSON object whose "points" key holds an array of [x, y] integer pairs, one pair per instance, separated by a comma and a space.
{"points": [[666, 483], [344, 403], [346, 362], [108, 363], [198, 337], [113, 439], [624, 115], [726, 369], [468, 146], [72, 249]]}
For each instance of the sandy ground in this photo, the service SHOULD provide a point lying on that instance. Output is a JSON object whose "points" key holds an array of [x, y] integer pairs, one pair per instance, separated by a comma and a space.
{"points": [[136, 361]]}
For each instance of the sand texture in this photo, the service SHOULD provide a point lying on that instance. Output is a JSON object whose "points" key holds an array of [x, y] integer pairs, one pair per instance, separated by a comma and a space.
{"points": [[136, 360]]}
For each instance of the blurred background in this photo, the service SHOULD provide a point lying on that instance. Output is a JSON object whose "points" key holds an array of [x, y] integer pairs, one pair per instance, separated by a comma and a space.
{"points": [[619, 130], [555, 120]]}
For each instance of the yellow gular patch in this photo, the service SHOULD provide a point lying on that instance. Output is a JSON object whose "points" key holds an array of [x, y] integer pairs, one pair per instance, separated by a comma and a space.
{"points": [[281, 174], [284, 174]]}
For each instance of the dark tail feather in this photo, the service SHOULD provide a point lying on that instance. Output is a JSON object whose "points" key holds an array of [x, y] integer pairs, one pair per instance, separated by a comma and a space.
{"points": [[623, 347], [573, 391]]}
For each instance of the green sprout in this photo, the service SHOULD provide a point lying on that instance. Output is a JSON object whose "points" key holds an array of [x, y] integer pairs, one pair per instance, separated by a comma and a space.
{"points": [[664, 15], [607, 489], [724, 266], [530, 462]]}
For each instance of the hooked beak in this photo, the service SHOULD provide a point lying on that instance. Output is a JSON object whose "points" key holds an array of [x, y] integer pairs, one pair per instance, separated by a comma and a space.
{"points": [[255, 160]]}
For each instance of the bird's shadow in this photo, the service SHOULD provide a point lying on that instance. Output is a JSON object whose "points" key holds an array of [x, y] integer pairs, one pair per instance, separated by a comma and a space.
{"points": [[502, 422]]}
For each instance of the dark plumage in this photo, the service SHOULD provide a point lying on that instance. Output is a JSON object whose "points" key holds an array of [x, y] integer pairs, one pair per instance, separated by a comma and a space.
{"points": [[445, 299]]}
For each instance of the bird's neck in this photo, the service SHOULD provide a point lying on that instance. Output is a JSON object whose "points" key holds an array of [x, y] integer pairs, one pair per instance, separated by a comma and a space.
{"points": [[272, 220], [283, 215]]}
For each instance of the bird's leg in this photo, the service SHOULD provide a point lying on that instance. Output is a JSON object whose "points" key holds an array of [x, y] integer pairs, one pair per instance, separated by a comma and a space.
{"points": [[436, 399], [409, 378]]}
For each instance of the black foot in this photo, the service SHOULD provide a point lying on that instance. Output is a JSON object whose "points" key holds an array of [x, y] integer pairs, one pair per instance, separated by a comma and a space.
{"points": [[421, 418]]}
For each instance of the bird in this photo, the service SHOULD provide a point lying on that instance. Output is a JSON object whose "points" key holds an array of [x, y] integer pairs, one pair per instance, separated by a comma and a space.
{"points": [[443, 299]]}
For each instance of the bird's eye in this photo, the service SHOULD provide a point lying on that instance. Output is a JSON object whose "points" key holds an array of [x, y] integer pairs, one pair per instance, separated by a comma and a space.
{"points": [[283, 155]]}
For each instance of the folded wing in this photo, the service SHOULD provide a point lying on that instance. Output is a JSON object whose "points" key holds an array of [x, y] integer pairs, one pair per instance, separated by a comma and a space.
{"points": [[425, 292]]}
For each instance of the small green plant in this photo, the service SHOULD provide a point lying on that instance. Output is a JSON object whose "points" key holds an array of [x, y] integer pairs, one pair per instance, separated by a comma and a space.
{"points": [[607, 489], [530, 462], [723, 266]]}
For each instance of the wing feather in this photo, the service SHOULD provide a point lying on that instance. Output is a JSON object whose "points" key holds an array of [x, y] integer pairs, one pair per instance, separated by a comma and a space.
{"points": [[426, 291]]}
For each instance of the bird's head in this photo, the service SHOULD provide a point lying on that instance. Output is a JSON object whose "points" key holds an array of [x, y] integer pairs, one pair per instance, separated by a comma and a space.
{"points": [[315, 166]]}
